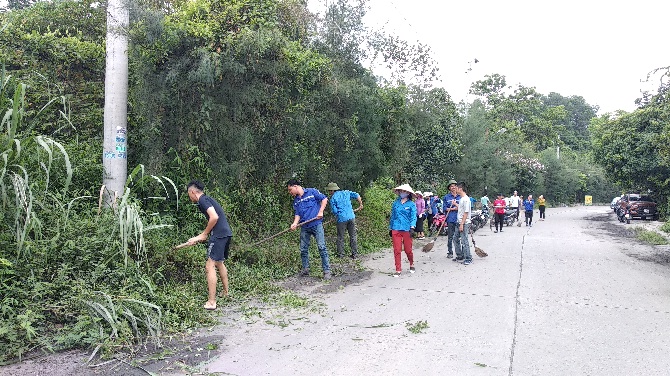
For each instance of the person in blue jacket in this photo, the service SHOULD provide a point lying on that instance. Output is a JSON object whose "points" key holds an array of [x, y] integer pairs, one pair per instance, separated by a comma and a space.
{"points": [[403, 220], [528, 206], [451, 201], [309, 204], [340, 205]]}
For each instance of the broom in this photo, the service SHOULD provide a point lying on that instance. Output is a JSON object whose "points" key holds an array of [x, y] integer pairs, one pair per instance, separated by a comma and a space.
{"points": [[429, 246], [480, 252]]}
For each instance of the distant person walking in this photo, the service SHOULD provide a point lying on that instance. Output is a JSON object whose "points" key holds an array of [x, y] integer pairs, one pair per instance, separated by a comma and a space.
{"points": [[515, 203], [420, 215], [541, 202], [340, 205], [528, 206], [220, 235], [451, 201], [403, 220], [308, 204], [485, 202], [499, 211], [464, 211]]}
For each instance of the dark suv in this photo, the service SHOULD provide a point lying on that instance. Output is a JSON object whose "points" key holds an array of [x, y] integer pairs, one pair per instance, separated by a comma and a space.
{"points": [[639, 206]]}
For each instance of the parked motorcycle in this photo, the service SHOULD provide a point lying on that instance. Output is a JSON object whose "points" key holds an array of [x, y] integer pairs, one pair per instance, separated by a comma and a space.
{"points": [[511, 216], [622, 215], [438, 220], [479, 219]]}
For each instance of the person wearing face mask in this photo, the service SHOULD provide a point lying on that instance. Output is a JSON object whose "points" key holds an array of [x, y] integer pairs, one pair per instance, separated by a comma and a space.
{"points": [[403, 220]]}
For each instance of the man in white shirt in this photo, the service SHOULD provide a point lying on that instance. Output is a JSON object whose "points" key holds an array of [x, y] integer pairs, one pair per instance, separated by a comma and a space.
{"points": [[464, 210]]}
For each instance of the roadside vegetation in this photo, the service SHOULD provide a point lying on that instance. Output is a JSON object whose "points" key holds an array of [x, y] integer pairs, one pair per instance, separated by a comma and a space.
{"points": [[651, 237], [241, 95]]}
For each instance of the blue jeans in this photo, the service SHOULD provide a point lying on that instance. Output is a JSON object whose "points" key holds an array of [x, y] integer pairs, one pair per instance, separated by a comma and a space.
{"points": [[305, 238], [453, 236], [465, 242]]}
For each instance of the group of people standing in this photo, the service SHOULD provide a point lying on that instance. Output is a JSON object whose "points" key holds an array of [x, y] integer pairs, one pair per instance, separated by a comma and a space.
{"points": [[411, 208], [408, 212], [515, 202]]}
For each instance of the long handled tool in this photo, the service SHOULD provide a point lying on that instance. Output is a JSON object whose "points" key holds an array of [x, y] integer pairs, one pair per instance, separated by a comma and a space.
{"points": [[187, 244], [429, 246], [480, 252], [182, 245], [282, 232]]}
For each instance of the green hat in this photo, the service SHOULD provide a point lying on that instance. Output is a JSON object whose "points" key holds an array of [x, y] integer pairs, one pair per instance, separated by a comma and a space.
{"points": [[452, 181], [332, 187]]}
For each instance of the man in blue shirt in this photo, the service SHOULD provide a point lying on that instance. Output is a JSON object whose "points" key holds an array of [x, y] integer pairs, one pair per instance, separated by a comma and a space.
{"points": [[308, 204], [340, 205], [528, 207], [451, 201]]}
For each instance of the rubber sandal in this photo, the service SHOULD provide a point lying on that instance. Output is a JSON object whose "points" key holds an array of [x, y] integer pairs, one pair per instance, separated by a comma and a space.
{"points": [[209, 307]]}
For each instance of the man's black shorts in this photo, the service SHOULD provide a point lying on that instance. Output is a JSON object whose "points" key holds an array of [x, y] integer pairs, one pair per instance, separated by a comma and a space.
{"points": [[219, 248]]}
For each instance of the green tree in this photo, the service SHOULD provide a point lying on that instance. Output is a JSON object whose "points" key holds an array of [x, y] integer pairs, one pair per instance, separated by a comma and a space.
{"points": [[575, 133], [482, 165]]}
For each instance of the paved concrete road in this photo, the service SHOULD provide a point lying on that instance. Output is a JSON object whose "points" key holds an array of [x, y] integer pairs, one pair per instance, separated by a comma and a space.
{"points": [[564, 297]]}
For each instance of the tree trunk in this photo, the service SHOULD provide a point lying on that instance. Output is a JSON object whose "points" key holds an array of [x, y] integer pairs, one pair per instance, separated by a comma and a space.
{"points": [[114, 154]]}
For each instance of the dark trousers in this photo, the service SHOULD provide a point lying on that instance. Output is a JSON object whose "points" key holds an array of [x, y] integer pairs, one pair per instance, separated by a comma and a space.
{"points": [[542, 207], [498, 217], [419, 223], [529, 217], [350, 227]]}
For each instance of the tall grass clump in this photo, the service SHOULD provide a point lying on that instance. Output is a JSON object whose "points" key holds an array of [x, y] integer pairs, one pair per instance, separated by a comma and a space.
{"points": [[72, 276]]}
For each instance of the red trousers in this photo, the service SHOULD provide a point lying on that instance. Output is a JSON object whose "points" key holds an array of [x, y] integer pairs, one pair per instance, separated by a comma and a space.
{"points": [[401, 238]]}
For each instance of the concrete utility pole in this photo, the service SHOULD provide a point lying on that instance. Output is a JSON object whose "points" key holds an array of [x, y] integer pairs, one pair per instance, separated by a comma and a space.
{"points": [[114, 155]]}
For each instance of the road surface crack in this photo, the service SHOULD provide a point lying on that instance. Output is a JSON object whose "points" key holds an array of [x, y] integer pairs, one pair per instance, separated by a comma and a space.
{"points": [[516, 310]]}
